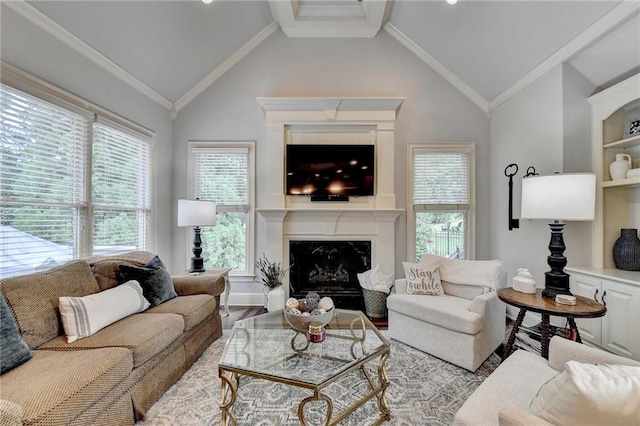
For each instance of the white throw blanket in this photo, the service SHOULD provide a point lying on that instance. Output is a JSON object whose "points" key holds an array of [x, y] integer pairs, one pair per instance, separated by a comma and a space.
{"points": [[482, 273], [374, 279]]}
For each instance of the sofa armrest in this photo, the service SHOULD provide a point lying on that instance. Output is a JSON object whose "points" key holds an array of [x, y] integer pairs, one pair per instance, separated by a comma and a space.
{"points": [[513, 416], [187, 285], [493, 312], [400, 286], [563, 350], [10, 413]]}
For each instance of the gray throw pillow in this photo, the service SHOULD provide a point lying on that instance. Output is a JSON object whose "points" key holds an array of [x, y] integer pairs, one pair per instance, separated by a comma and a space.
{"points": [[154, 279], [13, 350]]}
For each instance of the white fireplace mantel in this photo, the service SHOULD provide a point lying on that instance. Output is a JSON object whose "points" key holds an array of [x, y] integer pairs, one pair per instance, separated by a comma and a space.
{"points": [[325, 120]]}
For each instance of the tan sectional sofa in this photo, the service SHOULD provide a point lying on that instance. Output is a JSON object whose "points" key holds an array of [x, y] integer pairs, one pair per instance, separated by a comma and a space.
{"points": [[115, 375]]}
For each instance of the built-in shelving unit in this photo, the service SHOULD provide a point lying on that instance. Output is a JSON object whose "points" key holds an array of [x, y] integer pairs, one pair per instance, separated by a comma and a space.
{"points": [[617, 201], [617, 207]]}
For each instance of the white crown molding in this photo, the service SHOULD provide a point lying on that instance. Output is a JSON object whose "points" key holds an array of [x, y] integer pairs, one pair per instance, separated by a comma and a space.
{"points": [[225, 66], [354, 19], [438, 67], [50, 26], [606, 23]]}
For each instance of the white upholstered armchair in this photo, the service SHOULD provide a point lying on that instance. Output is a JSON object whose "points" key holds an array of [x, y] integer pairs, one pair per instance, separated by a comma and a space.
{"points": [[462, 326]]}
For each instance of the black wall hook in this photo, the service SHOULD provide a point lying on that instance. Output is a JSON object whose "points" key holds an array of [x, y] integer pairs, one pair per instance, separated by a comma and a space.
{"points": [[510, 172]]}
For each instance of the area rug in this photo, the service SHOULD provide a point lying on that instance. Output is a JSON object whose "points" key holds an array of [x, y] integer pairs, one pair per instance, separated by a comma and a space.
{"points": [[423, 390]]}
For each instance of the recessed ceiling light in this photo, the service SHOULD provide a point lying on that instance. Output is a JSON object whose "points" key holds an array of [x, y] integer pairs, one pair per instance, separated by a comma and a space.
{"points": [[448, 1], [209, 1]]}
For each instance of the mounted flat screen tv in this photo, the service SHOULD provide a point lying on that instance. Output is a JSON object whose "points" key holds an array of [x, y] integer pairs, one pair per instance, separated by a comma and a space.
{"points": [[330, 170]]}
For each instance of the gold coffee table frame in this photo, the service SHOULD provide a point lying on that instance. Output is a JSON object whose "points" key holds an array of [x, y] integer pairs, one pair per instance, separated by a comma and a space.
{"points": [[360, 333]]}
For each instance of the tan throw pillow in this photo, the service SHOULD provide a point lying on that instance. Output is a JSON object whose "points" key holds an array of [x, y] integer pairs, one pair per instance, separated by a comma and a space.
{"points": [[423, 278], [84, 316], [590, 394]]}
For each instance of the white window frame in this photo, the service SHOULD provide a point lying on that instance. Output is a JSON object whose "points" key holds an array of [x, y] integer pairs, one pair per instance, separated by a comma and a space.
{"points": [[238, 276], [442, 147], [27, 83]]}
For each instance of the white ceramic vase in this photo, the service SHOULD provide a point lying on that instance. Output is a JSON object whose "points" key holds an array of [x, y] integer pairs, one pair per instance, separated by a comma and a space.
{"points": [[275, 299], [619, 168]]}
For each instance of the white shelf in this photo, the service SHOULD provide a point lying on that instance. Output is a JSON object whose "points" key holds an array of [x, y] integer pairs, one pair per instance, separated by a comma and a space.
{"points": [[634, 181], [624, 143]]}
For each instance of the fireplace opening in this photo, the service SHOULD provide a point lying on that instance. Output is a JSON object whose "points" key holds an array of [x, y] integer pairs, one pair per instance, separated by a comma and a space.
{"points": [[329, 268]]}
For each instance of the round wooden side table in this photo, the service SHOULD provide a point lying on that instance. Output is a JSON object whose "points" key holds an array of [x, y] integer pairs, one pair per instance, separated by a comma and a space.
{"points": [[584, 308]]}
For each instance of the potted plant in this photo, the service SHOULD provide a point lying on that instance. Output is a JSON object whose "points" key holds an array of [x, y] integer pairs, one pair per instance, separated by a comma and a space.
{"points": [[272, 275]]}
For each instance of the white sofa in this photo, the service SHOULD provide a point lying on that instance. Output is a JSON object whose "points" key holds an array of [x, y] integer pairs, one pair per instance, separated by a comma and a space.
{"points": [[504, 397], [463, 326]]}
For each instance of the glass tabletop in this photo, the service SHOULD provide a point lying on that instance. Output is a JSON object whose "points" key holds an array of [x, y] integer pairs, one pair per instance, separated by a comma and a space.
{"points": [[266, 346]]}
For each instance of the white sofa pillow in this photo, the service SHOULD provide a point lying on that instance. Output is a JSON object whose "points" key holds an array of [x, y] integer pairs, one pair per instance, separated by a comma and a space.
{"points": [[590, 394], [84, 316]]}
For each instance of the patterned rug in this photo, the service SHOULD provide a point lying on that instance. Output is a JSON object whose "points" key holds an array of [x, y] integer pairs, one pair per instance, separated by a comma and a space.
{"points": [[423, 390]]}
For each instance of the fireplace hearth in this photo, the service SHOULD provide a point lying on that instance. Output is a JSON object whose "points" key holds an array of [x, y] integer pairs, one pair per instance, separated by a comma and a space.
{"points": [[329, 268]]}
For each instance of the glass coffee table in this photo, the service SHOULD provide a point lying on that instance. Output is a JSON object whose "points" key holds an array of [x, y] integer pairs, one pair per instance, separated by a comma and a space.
{"points": [[266, 347]]}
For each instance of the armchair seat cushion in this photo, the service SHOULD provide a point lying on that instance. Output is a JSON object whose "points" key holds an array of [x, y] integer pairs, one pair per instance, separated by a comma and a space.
{"points": [[445, 311]]}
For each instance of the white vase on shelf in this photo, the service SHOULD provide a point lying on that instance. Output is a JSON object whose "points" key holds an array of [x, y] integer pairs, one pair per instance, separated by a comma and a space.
{"points": [[619, 168]]}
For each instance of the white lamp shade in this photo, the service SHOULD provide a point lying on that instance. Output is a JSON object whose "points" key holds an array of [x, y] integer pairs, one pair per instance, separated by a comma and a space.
{"points": [[570, 196], [196, 213]]}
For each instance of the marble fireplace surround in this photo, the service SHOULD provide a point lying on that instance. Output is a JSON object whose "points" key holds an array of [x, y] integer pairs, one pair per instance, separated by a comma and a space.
{"points": [[330, 121]]}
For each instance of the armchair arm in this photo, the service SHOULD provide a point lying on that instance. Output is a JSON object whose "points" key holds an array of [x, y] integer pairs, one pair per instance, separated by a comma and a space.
{"points": [[187, 285], [514, 416], [563, 350], [493, 313]]}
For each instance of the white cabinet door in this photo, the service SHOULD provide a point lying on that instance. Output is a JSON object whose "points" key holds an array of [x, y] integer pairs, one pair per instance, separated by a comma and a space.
{"points": [[591, 288], [621, 324]]}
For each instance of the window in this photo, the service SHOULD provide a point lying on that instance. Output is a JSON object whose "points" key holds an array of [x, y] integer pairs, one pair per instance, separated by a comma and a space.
{"points": [[442, 200], [51, 155], [121, 190], [223, 172]]}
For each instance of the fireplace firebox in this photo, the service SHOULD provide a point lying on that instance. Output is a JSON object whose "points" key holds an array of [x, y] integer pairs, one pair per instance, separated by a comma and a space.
{"points": [[329, 268]]}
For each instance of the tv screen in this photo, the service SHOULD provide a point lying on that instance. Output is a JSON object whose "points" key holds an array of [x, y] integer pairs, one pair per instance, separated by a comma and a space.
{"points": [[330, 170]]}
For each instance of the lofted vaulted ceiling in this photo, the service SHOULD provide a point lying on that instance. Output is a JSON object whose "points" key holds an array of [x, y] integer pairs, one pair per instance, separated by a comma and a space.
{"points": [[172, 50]]}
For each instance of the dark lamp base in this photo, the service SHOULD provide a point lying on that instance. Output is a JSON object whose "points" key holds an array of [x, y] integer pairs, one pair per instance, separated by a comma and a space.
{"points": [[556, 281], [197, 264]]}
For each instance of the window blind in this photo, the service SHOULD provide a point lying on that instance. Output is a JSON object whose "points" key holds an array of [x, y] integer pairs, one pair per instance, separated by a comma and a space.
{"points": [[441, 178], [221, 175], [42, 193], [121, 191]]}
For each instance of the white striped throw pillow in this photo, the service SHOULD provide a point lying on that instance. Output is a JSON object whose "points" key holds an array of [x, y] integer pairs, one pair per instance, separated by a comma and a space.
{"points": [[84, 316]]}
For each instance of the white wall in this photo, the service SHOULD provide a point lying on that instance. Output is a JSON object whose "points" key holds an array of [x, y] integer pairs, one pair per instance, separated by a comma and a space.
{"points": [[29, 48], [433, 111], [546, 125]]}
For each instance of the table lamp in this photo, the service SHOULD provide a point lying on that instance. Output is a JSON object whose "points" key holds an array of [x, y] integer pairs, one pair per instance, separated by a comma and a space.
{"points": [[558, 197], [196, 213]]}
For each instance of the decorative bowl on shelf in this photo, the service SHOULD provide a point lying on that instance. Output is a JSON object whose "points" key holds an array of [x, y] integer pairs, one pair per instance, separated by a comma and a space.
{"points": [[301, 322]]}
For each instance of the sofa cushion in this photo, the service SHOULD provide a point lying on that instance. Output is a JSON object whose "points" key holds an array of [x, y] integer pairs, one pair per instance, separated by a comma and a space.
{"points": [[444, 311], [590, 394], [33, 298], [194, 309], [13, 350], [154, 279], [423, 278], [144, 334], [54, 387], [84, 316], [105, 269]]}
